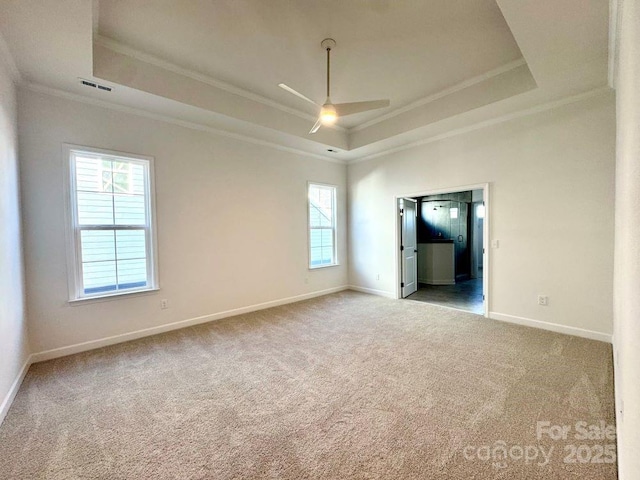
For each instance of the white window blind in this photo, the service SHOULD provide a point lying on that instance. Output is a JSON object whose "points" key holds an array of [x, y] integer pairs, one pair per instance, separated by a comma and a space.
{"points": [[322, 225], [112, 224]]}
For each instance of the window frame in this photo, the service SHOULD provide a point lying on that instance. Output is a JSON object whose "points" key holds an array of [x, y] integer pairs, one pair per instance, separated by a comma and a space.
{"points": [[73, 229], [334, 226]]}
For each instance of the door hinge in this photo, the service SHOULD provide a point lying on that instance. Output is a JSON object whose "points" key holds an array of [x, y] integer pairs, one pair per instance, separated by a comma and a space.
{"points": [[402, 248], [483, 250], [401, 212], [401, 284], [483, 298]]}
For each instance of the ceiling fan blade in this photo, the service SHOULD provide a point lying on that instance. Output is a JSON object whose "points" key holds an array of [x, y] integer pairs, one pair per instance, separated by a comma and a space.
{"points": [[316, 127], [356, 107], [297, 94]]}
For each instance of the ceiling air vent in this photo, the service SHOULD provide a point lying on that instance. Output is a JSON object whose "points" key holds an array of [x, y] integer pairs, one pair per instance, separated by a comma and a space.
{"points": [[93, 84]]}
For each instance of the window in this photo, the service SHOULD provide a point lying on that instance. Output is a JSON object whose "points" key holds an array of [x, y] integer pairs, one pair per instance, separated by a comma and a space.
{"points": [[322, 225], [111, 219]]}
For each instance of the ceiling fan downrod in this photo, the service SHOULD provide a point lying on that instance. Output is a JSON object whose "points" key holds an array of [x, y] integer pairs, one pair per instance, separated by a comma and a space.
{"points": [[328, 44]]}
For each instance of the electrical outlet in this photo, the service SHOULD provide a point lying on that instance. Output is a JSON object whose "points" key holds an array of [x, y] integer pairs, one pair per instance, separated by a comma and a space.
{"points": [[543, 300], [164, 304], [378, 276], [495, 243]]}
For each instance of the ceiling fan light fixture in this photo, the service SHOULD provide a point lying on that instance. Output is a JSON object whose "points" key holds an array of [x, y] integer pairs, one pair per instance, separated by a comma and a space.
{"points": [[329, 112], [328, 115]]}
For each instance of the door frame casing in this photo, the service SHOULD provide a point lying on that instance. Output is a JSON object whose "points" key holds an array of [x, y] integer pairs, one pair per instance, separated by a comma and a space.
{"points": [[486, 269]]}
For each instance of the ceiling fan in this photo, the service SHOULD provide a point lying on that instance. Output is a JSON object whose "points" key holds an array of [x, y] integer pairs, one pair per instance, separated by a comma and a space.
{"points": [[329, 112]]}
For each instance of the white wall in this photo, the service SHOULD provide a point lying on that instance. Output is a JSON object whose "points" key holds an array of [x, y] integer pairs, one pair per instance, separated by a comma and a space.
{"points": [[551, 181], [14, 348], [627, 243], [231, 217]]}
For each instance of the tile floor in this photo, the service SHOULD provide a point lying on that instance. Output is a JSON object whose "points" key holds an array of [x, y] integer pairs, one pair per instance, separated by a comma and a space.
{"points": [[465, 295]]}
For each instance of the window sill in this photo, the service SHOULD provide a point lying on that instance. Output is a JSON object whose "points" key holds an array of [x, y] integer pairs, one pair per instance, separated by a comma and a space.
{"points": [[316, 267], [114, 296]]}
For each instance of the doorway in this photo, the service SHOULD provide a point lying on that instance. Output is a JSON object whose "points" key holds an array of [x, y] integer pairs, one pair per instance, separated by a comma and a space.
{"points": [[441, 248]]}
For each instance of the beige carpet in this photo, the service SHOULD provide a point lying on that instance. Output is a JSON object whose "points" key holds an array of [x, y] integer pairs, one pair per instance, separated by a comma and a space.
{"points": [[340, 387]]}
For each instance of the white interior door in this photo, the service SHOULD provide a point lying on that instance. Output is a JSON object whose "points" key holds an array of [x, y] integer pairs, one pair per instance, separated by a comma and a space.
{"points": [[408, 246]]}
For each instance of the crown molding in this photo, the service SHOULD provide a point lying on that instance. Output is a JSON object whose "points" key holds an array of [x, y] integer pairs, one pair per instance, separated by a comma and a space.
{"points": [[159, 62], [487, 123], [264, 143], [443, 93], [8, 60], [54, 92]]}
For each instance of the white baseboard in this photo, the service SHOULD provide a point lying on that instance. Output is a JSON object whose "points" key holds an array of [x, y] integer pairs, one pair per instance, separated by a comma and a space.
{"points": [[553, 327], [125, 337], [373, 291], [15, 386]]}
